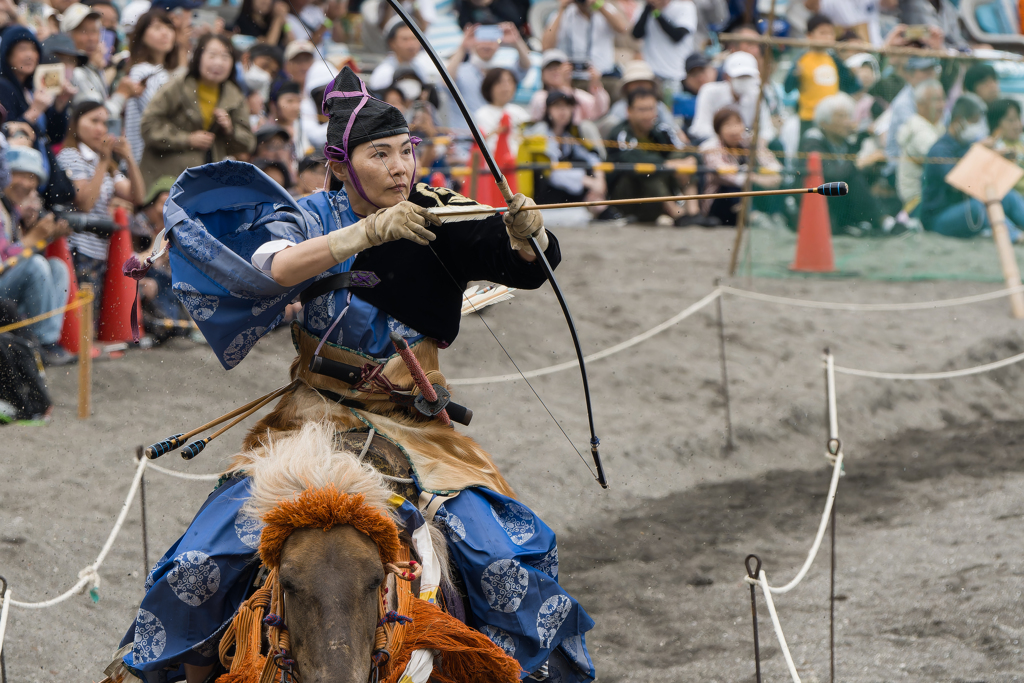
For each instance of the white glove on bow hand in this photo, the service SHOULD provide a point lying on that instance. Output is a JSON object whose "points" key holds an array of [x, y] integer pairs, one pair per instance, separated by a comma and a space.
{"points": [[404, 220], [522, 225]]}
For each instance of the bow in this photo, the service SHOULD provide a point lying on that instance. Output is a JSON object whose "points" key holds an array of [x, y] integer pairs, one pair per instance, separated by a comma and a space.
{"points": [[507, 194]]}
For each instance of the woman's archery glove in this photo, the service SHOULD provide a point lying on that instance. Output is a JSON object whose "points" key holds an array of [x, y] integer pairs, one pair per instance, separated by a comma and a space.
{"points": [[404, 220], [522, 225]]}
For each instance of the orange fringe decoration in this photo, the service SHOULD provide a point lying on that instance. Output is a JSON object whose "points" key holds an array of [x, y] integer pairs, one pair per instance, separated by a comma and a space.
{"points": [[247, 665], [466, 655], [324, 508]]}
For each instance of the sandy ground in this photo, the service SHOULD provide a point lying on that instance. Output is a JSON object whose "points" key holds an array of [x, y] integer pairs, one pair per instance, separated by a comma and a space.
{"points": [[929, 568]]}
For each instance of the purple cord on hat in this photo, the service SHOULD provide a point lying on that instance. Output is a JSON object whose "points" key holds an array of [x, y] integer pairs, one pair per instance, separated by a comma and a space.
{"points": [[340, 154]]}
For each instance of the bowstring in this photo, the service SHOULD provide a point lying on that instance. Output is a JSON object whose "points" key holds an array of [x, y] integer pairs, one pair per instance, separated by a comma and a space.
{"points": [[455, 282]]}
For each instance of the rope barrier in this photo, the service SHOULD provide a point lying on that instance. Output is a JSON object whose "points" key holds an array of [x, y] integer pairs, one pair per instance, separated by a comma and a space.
{"points": [[770, 298], [762, 580], [184, 475], [91, 572], [693, 149], [679, 317], [4, 610], [836, 306], [948, 374], [603, 166], [80, 301]]}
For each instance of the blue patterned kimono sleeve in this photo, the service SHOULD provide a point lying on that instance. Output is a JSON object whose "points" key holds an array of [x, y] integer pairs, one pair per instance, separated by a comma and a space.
{"points": [[508, 560], [193, 591], [217, 215]]}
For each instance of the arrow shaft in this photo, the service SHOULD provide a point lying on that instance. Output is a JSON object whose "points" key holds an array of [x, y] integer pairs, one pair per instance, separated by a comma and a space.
{"points": [[649, 200]]}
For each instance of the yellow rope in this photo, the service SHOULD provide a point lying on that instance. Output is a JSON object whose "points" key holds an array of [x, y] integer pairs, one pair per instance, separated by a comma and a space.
{"points": [[82, 299]]}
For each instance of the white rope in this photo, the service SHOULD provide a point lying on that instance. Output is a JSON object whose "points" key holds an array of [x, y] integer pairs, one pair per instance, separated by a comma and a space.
{"points": [[90, 574], [3, 616], [837, 469], [830, 383], [677, 318], [767, 590], [948, 374], [836, 306], [757, 296], [184, 475]]}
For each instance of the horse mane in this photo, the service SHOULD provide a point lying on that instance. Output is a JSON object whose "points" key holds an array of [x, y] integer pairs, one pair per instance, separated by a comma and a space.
{"points": [[283, 467]]}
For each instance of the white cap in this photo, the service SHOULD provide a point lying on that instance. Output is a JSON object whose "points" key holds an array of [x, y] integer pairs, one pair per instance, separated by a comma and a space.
{"points": [[298, 47], [74, 15], [132, 12], [27, 160], [551, 56], [740, 64], [637, 70]]}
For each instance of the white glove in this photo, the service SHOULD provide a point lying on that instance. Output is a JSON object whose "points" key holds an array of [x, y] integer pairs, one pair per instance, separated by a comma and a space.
{"points": [[522, 225], [404, 220]]}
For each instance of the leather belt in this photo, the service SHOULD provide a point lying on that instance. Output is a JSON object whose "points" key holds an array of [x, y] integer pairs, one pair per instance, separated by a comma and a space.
{"points": [[351, 278]]}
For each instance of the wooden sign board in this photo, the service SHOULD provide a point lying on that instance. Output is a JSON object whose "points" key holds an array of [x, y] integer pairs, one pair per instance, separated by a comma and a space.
{"points": [[981, 169]]}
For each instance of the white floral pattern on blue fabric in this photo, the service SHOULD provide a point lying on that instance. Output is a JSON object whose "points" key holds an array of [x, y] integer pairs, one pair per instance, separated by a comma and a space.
{"points": [[550, 616], [320, 311], [263, 304], [241, 345], [150, 637], [548, 564], [200, 306], [199, 243], [516, 520], [452, 524], [207, 648], [501, 638], [195, 577], [573, 648], [504, 584], [248, 528], [401, 328]]}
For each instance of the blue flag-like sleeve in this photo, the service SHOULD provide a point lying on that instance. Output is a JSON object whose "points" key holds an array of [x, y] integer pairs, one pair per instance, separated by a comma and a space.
{"points": [[217, 215]]}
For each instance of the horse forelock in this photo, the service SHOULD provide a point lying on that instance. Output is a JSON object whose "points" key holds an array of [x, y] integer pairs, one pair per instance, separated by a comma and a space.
{"points": [[303, 477], [325, 508]]}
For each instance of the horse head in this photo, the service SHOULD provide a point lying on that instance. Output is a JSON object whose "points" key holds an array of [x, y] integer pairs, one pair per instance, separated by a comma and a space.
{"points": [[330, 531]]}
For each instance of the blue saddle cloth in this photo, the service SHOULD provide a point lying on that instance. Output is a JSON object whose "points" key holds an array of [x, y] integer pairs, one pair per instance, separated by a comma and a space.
{"points": [[505, 554]]}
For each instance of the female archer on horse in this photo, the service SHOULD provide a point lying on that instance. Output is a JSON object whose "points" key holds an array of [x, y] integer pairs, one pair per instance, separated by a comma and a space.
{"points": [[365, 264]]}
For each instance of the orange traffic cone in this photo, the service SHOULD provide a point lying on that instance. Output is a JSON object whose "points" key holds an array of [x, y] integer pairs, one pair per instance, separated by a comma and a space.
{"points": [[69, 332], [814, 232], [118, 290]]}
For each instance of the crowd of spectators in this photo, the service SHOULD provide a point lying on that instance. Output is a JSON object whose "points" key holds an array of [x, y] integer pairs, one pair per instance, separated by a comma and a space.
{"points": [[106, 103]]}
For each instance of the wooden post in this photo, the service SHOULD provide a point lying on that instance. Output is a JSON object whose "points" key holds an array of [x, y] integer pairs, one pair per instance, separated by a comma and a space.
{"points": [[85, 325], [767, 67], [1007, 259]]}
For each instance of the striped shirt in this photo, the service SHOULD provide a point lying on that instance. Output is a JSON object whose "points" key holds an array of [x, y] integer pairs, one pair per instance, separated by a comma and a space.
{"points": [[155, 76], [80, 164]]}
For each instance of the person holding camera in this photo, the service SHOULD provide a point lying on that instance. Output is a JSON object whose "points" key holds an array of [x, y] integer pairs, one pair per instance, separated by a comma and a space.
{"points": [[585, 30], [20, 54], [476, 56], [35, 284], [101, 167], [556, 73]]}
